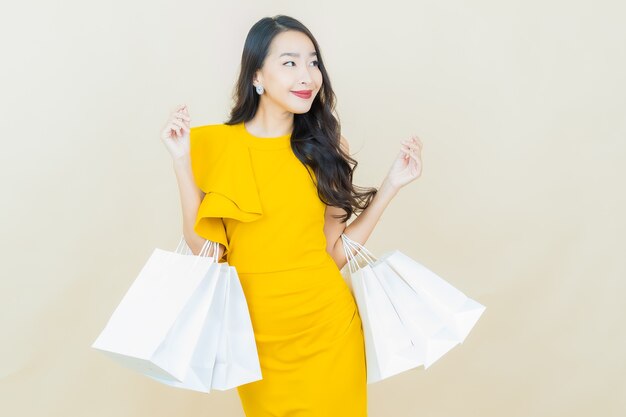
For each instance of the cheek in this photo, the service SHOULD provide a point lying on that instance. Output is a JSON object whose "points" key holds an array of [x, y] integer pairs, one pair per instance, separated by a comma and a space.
{"points": [[318, 79], [277, 82]]}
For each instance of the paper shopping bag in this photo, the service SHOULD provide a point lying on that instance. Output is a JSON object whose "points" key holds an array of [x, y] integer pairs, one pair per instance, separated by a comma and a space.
{"points": [[237, 360], [423, 320], [157, 325], [199, 374], [388, 347], [431, 313], [226, 355], [459, 312]]}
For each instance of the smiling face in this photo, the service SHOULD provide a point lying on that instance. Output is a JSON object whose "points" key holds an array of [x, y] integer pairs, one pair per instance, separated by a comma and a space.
{"points": [[290, 66]]}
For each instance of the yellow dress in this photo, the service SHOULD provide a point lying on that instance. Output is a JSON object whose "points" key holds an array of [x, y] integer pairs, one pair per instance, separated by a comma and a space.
{"points": [[262, 205]]}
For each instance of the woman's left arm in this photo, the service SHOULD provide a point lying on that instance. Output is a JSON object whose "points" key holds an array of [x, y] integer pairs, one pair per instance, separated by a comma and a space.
{"points": [[406, 168]]}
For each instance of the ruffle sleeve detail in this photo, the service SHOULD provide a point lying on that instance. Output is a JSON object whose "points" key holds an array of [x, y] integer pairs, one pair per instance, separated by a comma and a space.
{"points": [[222, 168]]}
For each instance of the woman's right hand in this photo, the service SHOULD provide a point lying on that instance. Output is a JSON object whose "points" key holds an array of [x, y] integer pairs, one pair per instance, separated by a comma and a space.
{"points": [[175, 134]]}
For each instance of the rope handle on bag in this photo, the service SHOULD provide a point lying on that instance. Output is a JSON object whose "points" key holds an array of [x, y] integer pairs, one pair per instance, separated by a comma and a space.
{"points": [[360, 252], [183, 249], [205, 250], [352, 258]]}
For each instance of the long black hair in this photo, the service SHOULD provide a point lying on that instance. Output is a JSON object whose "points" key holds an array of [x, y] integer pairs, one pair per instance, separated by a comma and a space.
{"points": [[315, 139]]}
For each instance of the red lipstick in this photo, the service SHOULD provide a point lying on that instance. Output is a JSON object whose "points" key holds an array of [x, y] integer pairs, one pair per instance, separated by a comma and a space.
{"points": [[303, 93]]}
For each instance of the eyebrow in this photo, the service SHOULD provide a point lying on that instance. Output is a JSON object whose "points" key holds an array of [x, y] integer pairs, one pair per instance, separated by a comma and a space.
{"points": [[295, 54]]}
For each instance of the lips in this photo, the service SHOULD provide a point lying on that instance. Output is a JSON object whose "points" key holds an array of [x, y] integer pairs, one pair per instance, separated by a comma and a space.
{"points": [[303, 93]]}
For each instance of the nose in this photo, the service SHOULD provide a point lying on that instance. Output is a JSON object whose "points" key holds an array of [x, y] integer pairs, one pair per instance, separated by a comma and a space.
{"points": [[305, 78]]}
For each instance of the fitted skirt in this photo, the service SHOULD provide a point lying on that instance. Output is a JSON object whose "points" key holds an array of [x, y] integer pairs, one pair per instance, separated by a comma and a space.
{"points": [[310, 343]]}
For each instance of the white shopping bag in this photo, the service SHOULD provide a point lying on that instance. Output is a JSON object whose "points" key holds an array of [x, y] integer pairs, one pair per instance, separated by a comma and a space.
{"points": [[200, 370], [157, 325], [388, 347], [422, 319], [411, 317], [237, 360], [458, 312]]}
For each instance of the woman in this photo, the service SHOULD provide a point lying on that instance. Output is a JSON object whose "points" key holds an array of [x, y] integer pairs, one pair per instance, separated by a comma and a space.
{"points": [[273, 185]]}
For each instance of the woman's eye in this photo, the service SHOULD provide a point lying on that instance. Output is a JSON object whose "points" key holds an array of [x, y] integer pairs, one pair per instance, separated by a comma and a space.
{"points": [[315, 62]]}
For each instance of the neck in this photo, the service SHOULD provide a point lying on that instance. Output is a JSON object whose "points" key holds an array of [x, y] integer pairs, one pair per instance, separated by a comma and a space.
{"points": [[270, 122]]}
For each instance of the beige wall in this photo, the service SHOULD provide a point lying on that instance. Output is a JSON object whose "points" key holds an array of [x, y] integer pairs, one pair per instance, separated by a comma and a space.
{"points": [[520, 106]]}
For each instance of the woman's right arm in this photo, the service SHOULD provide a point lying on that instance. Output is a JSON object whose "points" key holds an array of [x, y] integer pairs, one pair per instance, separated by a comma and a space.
{"points": [[175, 136], [190, 198]]}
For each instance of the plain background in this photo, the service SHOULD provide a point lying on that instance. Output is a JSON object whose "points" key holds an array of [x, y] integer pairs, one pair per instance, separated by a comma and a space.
{"points": [[521, 109]]}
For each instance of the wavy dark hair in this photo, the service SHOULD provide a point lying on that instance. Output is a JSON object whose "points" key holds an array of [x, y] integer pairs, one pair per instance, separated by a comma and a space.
{"points": [[315, 139]]}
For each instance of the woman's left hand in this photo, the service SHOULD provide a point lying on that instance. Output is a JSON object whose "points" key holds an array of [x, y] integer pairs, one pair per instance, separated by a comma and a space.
{"points": [[408, 164]]}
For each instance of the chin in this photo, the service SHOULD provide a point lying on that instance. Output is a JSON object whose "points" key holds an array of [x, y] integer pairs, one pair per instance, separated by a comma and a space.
{"points": [[301, 111], [302, 108]]}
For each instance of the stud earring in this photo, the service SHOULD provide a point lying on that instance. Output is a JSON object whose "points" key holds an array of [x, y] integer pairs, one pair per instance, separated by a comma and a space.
{"points": [[259, 89]]}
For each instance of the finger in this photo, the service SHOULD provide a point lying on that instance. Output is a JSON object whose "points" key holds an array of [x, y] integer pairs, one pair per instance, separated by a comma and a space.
{"points": [[415, 139], [414, 146], [414, 157], [175, 129], [411, 143], [182, 116], [411, 155], [406, 154], [173, 134], [173, 126], [179, 123]]}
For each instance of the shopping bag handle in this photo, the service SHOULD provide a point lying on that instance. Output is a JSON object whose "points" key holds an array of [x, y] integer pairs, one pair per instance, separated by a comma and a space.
{"points": [[183, 249], [360, 251], [203, 252]]}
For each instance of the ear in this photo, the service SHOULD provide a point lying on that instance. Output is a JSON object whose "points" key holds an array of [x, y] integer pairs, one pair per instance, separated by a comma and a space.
{"points": [[257, 79]]}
